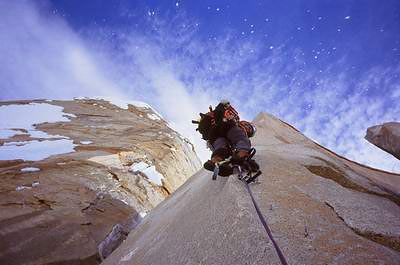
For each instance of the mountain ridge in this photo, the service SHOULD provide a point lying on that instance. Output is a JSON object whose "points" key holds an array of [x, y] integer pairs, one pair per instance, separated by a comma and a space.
{"points": [[88, 172]]}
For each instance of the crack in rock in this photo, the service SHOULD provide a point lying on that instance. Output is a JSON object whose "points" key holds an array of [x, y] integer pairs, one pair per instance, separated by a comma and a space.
{"points": [[387, 241]]}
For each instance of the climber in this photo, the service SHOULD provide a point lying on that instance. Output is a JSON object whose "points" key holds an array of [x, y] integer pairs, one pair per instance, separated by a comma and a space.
{"points": [[226, 136]]}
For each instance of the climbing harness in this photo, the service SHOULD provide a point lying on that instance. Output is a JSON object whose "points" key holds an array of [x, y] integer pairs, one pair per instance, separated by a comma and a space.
{"points": [[249, 177]]}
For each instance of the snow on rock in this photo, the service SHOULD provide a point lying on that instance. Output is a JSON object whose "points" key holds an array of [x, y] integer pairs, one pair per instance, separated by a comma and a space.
{"points": [[35, 184], [142, 214], [22, 187], [86, 142], [124, 104], [149, 170], [40, 134], [35, 150], [153, 117], [73, 182], [24, 117], [140, 104], [69, 115], [6, 133], [27, 187], [20, 143], [30, 169]]}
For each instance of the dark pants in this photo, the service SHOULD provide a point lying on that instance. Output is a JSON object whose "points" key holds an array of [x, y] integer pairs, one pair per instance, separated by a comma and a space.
{"points": [[236, 138]]}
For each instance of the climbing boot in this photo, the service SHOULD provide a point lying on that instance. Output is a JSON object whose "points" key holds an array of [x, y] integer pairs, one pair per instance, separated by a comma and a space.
{"points": [[224, 169], [219, 155], [210, 164], [242, 158], [239, 157]]}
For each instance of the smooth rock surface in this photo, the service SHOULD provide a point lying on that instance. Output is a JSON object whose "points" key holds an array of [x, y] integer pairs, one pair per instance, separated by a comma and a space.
{"points": [[79, 206], [321, 208], [386, 137]]}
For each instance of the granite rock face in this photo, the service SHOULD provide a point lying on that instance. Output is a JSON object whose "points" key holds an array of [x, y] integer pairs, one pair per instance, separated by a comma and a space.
{"points": [[321, 208], [386, 137], [77, 207]]}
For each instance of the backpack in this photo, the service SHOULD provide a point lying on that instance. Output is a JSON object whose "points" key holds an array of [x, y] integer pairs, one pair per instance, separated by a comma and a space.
{"points": [[221, 119]]}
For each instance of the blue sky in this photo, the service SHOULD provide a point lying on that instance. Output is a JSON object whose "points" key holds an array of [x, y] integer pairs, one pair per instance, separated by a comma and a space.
{"points": [[330, 68]]}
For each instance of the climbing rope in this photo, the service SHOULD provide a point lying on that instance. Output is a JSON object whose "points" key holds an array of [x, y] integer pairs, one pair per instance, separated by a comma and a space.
{"points": [[263, 221], [246, 180]]}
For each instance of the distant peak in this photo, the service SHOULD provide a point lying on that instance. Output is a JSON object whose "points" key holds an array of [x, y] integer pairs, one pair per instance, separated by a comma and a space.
{"points": [[263, 117]]}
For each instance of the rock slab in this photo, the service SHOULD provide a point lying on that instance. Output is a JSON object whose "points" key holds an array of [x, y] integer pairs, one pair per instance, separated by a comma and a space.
{"points": [[321, 208], [386, 137]]}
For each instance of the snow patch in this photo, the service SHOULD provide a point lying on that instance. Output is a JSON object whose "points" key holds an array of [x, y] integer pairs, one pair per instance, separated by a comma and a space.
{"points": [[24, 117], [35, 150], [41, 134], [149, 170], [30, 169], [35, 184], [22, 187], [142, 214], [25, 187], [124, 104], [6, 133], [153, 117], [85, 142], [20, 143], [71, 115]]}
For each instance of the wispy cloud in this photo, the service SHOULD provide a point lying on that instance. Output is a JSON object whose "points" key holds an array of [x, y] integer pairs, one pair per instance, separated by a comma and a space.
{"points": [[169, 65], [42, 57]]}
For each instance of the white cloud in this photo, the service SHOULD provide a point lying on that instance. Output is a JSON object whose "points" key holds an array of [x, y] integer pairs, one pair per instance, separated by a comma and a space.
{"points": [[42, 57]]}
